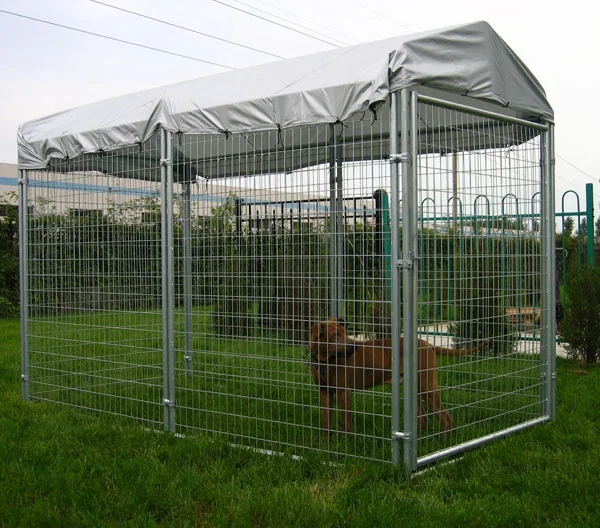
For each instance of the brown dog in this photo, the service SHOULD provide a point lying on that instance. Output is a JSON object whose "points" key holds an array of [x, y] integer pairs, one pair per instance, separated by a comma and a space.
{"points": [[340, 364]]}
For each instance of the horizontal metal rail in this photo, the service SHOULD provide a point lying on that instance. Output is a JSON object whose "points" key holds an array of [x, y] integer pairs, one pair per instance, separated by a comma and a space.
{"points": [[478, 111], [461, 448]]}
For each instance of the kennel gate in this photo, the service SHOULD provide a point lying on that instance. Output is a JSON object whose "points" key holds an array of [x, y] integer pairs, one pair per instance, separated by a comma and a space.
{"points": [[182, 295]]}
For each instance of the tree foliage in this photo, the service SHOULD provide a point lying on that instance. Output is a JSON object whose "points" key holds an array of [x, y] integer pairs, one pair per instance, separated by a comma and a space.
{"points": [[581, 326], [9, 256]]}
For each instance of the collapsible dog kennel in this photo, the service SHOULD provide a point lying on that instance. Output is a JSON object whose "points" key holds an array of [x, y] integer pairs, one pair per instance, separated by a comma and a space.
{"points": [[177, 244]]}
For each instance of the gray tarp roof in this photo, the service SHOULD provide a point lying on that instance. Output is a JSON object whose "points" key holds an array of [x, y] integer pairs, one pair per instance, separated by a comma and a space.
{"points": [[470, 60]]}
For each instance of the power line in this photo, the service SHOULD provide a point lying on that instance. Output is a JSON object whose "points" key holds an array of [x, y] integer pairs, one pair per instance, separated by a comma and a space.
{"points": [[186, 29], [576, 168], [276, 23], [117, 39], [271, 14], [385, 17], [329, 29]]}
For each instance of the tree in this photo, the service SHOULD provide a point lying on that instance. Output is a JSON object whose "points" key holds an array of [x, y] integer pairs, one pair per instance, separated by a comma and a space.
{"points": [[581, 326], [568, 226], [583, 227], [9, 255]]}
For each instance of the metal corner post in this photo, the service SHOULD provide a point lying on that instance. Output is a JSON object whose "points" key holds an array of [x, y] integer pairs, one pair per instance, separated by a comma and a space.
{"points": [[408, 263], [168, 297], [548, 343], [404, 272], [397, 434], [24, 281]]}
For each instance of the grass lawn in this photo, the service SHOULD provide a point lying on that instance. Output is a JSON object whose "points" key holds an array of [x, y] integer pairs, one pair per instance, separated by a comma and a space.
{"points": [[64, 467]]}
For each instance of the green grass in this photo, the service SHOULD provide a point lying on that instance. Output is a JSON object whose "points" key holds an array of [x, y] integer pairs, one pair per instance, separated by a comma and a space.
{"points": [[256, 387], [66, 467]]}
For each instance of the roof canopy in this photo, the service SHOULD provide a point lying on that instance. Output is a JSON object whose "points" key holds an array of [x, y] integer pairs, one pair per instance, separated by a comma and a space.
{"points": [[469, 60]]}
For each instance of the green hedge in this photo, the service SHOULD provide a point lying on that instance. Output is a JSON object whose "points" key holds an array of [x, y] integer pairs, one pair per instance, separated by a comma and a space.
{"points": [[253, 275]]}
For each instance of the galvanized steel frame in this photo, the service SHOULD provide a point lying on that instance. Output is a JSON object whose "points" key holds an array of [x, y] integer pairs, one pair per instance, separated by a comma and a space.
{"points": [[404, 180]]}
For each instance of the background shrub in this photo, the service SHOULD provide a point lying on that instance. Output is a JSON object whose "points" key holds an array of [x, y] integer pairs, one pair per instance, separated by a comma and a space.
{"points": [[581, 326], [480, 310], [9, 256]]}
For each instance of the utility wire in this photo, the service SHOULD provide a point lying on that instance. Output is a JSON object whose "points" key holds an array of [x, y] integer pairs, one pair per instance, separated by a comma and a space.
{"points": [[329, 29], [117, 39], [277, 23], [385, 17], [576, 168], [271, 14], [185, 28]]}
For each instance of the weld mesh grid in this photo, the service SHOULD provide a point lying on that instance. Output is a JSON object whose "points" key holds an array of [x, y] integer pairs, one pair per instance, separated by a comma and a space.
{"points": [[262, 257], [480, 270], [94, 275]]}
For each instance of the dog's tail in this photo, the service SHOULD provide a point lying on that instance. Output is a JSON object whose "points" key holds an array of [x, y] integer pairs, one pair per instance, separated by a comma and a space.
{"points": [[442, 351]]}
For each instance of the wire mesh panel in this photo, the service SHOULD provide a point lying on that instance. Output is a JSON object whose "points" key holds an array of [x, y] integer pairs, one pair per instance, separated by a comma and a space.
{"points": [[242, 285], [480, 274], [271, 255], [94, 298]]}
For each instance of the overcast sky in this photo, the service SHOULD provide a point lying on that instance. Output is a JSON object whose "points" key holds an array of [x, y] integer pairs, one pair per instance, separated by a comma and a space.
{"points": [[46, 69]]}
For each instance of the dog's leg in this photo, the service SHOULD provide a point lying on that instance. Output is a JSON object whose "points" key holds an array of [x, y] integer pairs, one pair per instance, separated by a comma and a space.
{"points": [[434, 402], [345, 409], [422, 417], [327, 401], [429, 391]]}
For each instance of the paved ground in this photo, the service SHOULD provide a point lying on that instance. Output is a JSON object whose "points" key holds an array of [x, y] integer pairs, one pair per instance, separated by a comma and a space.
{"points": [[525, 346]]}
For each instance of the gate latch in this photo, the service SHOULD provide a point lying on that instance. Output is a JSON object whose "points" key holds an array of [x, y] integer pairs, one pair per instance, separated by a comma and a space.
{"points": [[407, 263]]}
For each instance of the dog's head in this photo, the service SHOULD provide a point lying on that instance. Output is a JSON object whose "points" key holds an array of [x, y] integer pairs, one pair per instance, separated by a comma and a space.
{"points": [[327, 339]]}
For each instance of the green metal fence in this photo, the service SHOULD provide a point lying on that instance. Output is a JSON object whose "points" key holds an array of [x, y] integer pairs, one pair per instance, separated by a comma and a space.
{"points": [[573, 252]]}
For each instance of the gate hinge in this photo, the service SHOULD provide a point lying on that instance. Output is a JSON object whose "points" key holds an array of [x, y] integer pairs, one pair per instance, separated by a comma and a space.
{"points": [[168, 403], [399, 435], [165, 161], [399, 158]]}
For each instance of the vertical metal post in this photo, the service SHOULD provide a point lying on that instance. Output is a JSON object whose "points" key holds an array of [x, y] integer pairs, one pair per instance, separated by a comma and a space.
{"points": [[548, 336], [396, 306], [187, 275], [408, 264], [589, 209], [409, 276], [23, 280], [168, 297], [337, 241], [341, 225]]}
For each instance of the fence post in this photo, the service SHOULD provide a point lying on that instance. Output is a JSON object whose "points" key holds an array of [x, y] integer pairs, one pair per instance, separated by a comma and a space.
{"points": [[336, 217], [408, 265], [168, 304], [382, 230], [589, 209], [397, 435], [187, 274], [23, 280], [548, 336]]}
